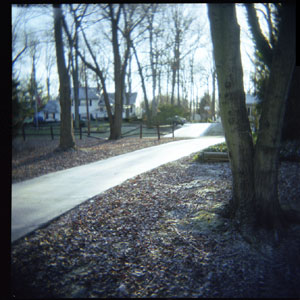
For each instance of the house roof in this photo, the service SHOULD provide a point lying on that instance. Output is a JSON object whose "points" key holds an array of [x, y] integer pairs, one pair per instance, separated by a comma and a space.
{"points": [[111, 97], [52, 106], [251, 99], [92, 93]]}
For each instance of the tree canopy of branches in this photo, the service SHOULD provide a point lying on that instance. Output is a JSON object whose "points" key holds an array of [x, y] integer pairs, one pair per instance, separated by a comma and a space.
{"points": [[104, 37]]}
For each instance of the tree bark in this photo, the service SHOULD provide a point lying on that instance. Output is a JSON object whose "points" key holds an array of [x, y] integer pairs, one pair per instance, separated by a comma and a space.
{"points": [[261, 43], [87, 102], [148, 113], [66, 127], [151, 56], [116, 134], [173, 82], [225, 34], [213, 101], [73, 43], [76, 84], [255, 177], [119, 70], [271, 121], [129, 87]]}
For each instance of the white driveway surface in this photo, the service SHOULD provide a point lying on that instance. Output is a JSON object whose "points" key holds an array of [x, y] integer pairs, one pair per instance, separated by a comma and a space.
{"points": [[39, 200], [192, 130]]}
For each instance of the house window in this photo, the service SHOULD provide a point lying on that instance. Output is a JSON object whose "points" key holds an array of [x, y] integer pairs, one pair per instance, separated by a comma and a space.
{"points": [[90, 102], [53, 115]]}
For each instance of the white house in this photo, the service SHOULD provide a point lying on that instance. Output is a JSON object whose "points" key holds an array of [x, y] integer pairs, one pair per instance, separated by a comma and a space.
{"points": [[97, 109], [93, 99], [251, 102], [129, 105], [51, 111]]}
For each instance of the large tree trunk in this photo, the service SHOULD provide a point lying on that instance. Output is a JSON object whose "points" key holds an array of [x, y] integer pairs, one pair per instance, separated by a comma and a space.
{"points": [[66, 127], [255, 179], [225, 33], [271, 121], [117, 126], [119, 72]]}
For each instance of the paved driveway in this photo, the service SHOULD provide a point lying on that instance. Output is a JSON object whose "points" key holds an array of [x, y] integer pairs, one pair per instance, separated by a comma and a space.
{"points": [[195, 130], [39, 200]]}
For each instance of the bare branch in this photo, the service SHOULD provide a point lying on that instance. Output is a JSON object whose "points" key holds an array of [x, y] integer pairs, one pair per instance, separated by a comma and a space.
{"points": [[19, 54]]}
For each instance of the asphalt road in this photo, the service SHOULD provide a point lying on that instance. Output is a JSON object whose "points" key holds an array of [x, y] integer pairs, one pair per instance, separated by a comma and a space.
{"points": [[39, 200]]}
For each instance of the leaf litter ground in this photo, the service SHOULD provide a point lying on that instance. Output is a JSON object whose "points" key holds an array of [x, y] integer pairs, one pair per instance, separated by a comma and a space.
{"points": [[159, 234]]}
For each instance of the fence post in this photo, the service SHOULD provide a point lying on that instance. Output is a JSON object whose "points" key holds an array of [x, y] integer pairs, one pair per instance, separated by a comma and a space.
{"points": [[158, 133], [141, 130], [51, 131], [80, 132], [23, 132], [173, 129]]}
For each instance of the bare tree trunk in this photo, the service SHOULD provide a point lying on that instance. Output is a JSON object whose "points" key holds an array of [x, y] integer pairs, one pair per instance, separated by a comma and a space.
{"points": [[213, 101], [225, 33], [87, 101], [148, 113], [159, 88], [176, 61], [33, 90], [152, 63], [66, 127], [178, 84], [76, 86], [117, 127], [128, 94], [168, 77], [73, 43], [271, 121], [174, 69], [255, 178], [48, 88]]}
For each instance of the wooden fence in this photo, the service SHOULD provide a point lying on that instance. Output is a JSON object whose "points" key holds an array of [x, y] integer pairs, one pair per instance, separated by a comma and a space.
{"points": [[140, 130]]}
